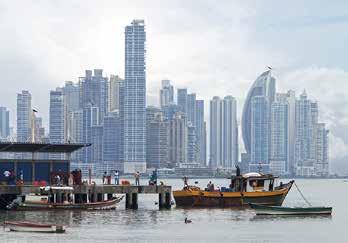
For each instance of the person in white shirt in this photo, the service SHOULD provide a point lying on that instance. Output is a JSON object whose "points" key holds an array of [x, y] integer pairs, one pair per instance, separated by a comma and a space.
{"points": [[117, 177], [7, 175]]}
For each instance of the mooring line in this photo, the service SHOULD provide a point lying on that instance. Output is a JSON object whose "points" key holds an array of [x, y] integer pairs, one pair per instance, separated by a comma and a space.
{"points": [[302, 195]]}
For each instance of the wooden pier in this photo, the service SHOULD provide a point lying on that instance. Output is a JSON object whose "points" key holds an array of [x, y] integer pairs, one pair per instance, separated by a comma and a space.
{"points": [[97, 193]]}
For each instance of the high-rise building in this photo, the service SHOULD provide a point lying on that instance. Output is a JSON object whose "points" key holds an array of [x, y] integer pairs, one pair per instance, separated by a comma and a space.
{"points": [[90, 120], [260, 125], [72, 103], [191, 109], [93, 100], [166, 93], [279, 149], [178, 136], [201, 133], [57, 122], [230, 132], [170, 110], [4, 123], [94, 92], [157, 133], [134, 144], [223, 133], [322, 150], [192, 149], [112, 141], [39, 130], [71, 96], [311, 149], [182, 100], [76, 135], [24, 116], [115, 85], [264, 90]]}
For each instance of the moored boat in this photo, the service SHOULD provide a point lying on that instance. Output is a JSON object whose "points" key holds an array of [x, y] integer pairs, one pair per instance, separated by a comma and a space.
{"points": [[244, 189], [25, 226], [59, 198], [276, 210]]}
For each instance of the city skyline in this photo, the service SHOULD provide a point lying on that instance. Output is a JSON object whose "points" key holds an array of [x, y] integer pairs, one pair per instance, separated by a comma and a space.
{"points": [[302, 77]]}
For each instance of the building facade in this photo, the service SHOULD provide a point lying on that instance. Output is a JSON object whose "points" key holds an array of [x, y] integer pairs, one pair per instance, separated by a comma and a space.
{"points": [[223, 133], [178, 139], [24, 116], [134, 145], [4, 123], [201, 133], [311, 147], [166, 93], [157, 141], [115, 86], [182, 100], [259, 134]]}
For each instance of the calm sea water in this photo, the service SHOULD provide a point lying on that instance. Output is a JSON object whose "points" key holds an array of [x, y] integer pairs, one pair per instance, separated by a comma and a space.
{"points": [[148, 224]]}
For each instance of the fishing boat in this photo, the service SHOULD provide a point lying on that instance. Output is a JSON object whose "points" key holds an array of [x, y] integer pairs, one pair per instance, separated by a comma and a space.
{"points": [[25, 226], [59, 198], [275, 210], [244, 189]]}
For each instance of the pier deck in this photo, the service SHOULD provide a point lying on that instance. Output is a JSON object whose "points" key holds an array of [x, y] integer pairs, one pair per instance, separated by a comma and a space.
{"points": [[95, 193]]}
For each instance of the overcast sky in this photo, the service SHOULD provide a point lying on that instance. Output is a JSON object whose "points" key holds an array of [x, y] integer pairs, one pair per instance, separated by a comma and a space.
{"points": [[210, 47]]}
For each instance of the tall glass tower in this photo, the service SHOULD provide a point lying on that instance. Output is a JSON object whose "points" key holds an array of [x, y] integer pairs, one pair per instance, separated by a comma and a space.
{"points": [[255, 118], [134, 110]]}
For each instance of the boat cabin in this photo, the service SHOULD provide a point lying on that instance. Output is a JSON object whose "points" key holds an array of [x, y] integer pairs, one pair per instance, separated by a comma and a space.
{"points": [[253, 182]]}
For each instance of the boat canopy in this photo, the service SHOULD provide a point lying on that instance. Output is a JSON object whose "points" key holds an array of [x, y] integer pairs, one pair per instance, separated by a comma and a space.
{"points": [[251, 174]]}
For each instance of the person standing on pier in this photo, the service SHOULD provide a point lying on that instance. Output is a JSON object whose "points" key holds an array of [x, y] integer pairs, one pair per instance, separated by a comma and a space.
{"points": [[104, 177], [117, 177], [137, 178]]}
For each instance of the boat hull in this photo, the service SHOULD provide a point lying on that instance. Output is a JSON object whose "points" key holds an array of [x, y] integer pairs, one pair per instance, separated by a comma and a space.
{"points": [[104, 205], [32, 227], [199, 198], [274, 210]]}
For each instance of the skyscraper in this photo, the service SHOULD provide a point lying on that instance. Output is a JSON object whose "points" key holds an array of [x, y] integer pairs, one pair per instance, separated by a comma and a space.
{"points": [[4, 123], [311, 149], [191, 109], [93, 92], [201, 133], [259, 152], [115, 84], [264, 90], [157, 133], [178, 136], [57, 122], [166, 93], [72, 103], [182, 100], [192, 149], [223, 133], [279, 149], [134, 144], [24, 116]]}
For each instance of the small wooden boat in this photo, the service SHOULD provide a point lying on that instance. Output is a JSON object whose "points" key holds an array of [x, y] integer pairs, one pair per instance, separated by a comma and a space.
{"points": [[59, 198], [244, 189], [25, 226], [275, 210]]}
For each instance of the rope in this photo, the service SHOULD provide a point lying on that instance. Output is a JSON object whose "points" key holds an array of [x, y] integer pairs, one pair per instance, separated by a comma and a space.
{"points": [[298, 189]]}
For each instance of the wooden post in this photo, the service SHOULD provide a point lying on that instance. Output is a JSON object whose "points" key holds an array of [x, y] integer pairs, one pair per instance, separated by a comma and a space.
{"points": [[167, 204], [128, 200], [134, 200], [160, 200]]}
